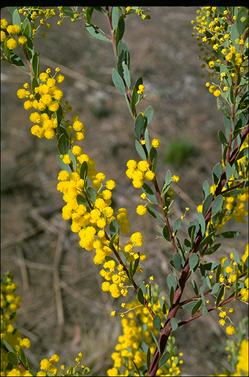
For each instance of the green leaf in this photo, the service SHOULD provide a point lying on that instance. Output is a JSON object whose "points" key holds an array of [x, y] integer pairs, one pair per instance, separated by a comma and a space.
{"points": [[167, 182], [166, 233], [163, 359], [127, 76], [153, 158], [140, 126], [205, 188], [13, 359], [204, 309], [88, 14], [171, 295], [229, 234], [155, 340], [35, 64], [16, 19], [116, 13], [144, 346], [120, 29], [207, 203], [8, 346], [140, 150], [171, 281], [63, 143], [135, 266], [148, 113], [148, 357], [177, 225], [189, 306], [97, 33], [193, 262], [149, 193], [135, 96], [217, 205], [215, 289], [26, 28], [118, 82], [174, 324], [195, 287], [202, 223], [83, 170], [67, 11], [229, 171], [157, 323], [23, 359], [177, 261], [222, 138], [59, 116], [140, 296], [147, 138], [217, 171], [155, 213], [196, 307], [92, 194], [16, 60], [81, 200], [220, 295]]}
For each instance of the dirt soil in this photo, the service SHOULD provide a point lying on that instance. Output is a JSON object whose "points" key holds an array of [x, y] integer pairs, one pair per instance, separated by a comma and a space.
{"points": [[63, 309]]}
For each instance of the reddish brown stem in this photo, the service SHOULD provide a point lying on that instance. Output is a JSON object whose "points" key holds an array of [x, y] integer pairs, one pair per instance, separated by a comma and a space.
{"points": [[223, 303], [160, 200], [166, 330]]}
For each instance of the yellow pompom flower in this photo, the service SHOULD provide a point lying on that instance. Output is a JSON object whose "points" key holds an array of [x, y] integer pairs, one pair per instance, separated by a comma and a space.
{"points": [[141, 210], [22, 40], [60, 79], [137, 239], [78, 126], [11, 43], [76, 150], [44, 364], [140, 89], [4, 23], [150, 175], [175, 178], [66, 159], [230, 330], [110, 185], [217, 93], [155, 143], [43, 76], [3, 36]]}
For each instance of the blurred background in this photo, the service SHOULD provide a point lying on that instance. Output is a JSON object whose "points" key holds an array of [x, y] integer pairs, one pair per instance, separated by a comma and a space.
{"points": [[63, 308]]}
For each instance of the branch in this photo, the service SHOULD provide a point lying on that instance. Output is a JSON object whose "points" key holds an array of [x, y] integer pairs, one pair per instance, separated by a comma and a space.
{"points": [[165, 332]]}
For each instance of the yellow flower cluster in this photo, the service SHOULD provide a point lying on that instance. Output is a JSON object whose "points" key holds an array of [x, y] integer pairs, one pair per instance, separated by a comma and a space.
{"points": [[9, 304], [49, 367], [11, 339], [140, 89], [88, 199], [235, 207], [38, 16], [91, 218], [139, 11], [244, 292], [46, 100], [136, 327], [214, 29], [232, 271], [138, 172], [11, 35], [242, 367]]}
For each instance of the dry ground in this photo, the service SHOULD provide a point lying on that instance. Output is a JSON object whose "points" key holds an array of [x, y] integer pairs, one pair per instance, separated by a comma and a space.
{"points": [[63, 308]]}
